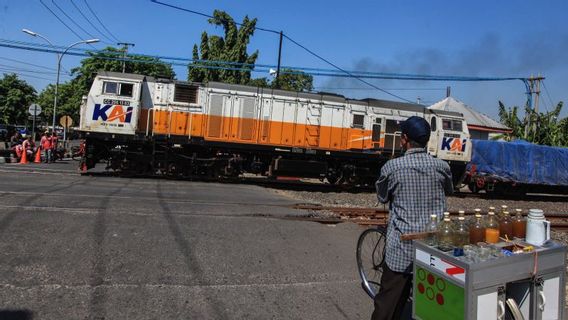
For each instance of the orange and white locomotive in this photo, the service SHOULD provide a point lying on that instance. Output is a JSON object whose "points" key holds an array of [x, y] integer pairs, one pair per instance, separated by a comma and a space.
{"points": [[147, 126]]}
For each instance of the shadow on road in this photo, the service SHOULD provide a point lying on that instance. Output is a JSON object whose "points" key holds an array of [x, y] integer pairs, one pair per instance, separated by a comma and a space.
{"points": [[16, 315]]}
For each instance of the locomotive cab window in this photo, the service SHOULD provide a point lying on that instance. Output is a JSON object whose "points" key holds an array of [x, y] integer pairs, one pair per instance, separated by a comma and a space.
{"points": [[118, 88], [185, 93], [359, 121], [433, 124], [452, 125]]}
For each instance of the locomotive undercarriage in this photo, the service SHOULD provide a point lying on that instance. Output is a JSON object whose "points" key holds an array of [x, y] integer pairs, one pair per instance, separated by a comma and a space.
{"points": [[203, 161]]}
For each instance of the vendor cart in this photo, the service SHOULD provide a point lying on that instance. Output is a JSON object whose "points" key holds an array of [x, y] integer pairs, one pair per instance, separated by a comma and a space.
{"points": [[527, 285]]}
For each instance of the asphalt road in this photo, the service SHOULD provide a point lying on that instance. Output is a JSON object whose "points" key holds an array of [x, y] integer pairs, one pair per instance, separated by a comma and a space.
{"points": [[94, 247]]}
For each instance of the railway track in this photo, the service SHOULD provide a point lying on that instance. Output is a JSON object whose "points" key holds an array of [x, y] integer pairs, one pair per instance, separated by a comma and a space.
{"points": [[314, 185], [379, 216]]}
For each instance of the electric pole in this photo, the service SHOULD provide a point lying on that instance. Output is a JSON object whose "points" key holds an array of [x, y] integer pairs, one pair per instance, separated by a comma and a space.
{"points": [[533, 88], [125, 46]]}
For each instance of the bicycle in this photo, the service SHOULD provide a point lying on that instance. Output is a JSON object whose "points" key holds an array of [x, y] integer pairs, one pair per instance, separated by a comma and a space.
{"points": [[371, 261], [371, 258]]}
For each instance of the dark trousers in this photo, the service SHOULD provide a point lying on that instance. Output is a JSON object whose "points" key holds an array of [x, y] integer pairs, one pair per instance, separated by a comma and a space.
{"points": [[392, 296]]}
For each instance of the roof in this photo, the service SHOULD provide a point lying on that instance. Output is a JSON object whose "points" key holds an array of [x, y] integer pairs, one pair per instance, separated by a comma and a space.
{"points": [[475, 120], [130, 76]]}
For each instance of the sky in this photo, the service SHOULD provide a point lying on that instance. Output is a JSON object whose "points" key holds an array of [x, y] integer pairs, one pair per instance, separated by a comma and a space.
{"points": [[457, 38]]}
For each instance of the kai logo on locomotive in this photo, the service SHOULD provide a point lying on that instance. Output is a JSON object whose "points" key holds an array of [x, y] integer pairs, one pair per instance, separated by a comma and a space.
{"points": [[453, 144], [112, 110]]}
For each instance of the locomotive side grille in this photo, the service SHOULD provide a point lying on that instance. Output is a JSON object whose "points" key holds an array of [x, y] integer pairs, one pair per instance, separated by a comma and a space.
{"points": [[265, 127], [215, 116], [185, 93], [247, 119]]}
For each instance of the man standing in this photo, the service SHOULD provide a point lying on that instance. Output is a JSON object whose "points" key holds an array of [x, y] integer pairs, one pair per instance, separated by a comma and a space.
{"points": [[54, 139], [415, 185], [46, 146]]}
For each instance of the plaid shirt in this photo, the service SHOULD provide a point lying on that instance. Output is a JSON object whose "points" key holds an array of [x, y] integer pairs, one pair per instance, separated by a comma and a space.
{"points": [[415, 185]]}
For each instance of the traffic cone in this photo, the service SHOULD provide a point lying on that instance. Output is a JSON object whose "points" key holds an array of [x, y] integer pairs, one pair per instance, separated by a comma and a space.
{"points": [[24, 158], [38, 156]]}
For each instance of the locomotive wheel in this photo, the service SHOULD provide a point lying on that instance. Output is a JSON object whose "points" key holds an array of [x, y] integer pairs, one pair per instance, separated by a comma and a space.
{"points": [[332, 179]]}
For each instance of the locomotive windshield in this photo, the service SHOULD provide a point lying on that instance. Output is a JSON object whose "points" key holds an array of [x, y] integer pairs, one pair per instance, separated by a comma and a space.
{"points": [[452, 125], [118, 88]]}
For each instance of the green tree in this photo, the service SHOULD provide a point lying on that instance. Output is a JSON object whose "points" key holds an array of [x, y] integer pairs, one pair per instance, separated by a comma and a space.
{"points": [[15, 97], [106, 60], [289, 79], [230, 48], [68, 101], [537, 127], [293, 80]]}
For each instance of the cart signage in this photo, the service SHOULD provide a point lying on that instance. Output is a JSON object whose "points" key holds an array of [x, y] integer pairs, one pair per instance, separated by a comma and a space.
{"points": [[441, 265]]}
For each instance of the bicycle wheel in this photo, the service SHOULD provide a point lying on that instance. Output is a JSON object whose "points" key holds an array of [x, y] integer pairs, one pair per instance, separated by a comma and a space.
{"points": [[370, 259]]}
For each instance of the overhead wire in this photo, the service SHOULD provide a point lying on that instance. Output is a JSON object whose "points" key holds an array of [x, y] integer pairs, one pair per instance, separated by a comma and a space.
{"points": [[293, 69], [207, 15], [296, 43], [393, 89], [90, 22], [23, 75], [99, 20], [27, 63], [58, 18], [30, 70], [548, 94], [72, 20], [221, 66], [345, 71]]}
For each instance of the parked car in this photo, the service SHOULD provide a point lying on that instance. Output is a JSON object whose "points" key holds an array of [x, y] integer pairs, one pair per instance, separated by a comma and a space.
{"points": [[4, 132]]}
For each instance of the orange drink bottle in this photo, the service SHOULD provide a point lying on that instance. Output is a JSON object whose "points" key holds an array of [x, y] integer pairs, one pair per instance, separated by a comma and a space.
{"points": [[519, 225], [491, 229]]}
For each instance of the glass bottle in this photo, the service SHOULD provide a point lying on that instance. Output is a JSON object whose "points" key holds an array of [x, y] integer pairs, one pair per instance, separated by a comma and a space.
{"points": [[432, 227], [491, 228], [503, 210], [506, 226], [461, 233], [519, 225], [445, 235], [477, 230], [461, 213]]}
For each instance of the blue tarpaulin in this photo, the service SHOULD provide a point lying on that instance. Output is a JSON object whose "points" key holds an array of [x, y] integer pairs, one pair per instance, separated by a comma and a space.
{"points": [[521, 161]]}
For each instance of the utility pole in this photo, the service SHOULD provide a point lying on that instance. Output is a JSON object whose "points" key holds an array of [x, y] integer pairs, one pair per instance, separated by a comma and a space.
{"points": [[533, 88], [125, 46], [279, 57]]}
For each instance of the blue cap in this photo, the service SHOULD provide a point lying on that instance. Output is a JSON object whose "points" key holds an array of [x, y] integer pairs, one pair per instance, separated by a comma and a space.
{"points": [[417, 129]]}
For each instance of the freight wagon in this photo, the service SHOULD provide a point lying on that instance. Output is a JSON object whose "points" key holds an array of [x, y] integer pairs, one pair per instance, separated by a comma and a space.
{"points": [[140, 125], [517, 167]]}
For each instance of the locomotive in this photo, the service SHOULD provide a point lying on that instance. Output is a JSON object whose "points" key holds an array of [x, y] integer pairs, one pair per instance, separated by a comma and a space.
{"points": [[142, 125]]}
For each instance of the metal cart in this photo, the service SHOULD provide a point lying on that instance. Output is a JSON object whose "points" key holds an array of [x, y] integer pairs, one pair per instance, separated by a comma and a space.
{"points": [[447, 287]]}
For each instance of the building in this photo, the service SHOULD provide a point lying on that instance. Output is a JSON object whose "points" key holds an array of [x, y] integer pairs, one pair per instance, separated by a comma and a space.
{"points": [[480, 126]]}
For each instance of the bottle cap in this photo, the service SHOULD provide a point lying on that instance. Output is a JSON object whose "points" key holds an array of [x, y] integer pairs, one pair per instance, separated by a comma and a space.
{"points": [[461, 218], [446, 219], [491, 213], [477, 210], [433, 216], [504, 207], [477, 215], [446, 214], [519, 210], [461, 212]]}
